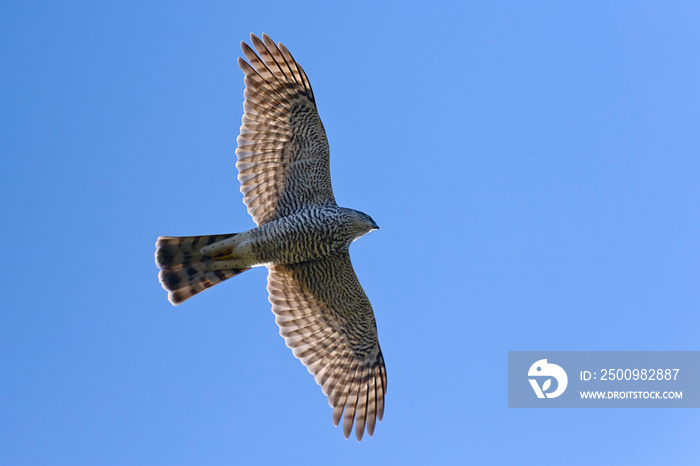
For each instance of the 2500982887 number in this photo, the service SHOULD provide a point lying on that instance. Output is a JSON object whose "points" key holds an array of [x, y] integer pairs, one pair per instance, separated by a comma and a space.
{"points": [[639, 374]]}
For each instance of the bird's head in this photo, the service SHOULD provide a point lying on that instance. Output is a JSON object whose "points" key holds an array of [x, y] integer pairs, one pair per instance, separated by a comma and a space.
{"points": [[363, 223], [371, 222]]}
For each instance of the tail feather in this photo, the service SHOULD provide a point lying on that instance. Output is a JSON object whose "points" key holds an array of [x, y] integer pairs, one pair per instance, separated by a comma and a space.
{"points": [[184, 270]]}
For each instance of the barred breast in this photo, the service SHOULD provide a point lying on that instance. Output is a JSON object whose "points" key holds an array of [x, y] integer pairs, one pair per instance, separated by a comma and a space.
{"points": [[310, 234]]}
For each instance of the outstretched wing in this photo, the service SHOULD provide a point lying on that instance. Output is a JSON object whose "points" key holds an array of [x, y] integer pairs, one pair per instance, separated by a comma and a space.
{"points": [[283, 154], [327, 320]]}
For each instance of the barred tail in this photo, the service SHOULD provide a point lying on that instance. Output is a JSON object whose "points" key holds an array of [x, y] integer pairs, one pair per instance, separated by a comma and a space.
{"points": [[184, 269]]}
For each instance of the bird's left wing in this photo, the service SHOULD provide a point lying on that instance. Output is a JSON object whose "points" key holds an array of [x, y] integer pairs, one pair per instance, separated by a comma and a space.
{"points": [[283, 155], [326, 319]]}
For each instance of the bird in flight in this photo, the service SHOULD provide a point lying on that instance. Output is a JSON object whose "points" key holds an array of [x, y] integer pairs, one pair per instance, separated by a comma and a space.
{"points": [[302, 237]]}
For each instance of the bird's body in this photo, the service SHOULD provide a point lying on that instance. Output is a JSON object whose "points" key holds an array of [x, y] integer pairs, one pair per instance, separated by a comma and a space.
{"points": [[308, 235], [311, 234], [302, 237]]}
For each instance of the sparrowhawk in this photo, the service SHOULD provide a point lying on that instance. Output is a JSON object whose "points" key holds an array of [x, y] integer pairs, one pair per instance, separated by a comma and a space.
{"points": [[302, 237]]}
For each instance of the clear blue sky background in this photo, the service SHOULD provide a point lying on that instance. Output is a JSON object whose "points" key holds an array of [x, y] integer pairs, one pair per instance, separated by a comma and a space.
{"points": [[534, 168]]}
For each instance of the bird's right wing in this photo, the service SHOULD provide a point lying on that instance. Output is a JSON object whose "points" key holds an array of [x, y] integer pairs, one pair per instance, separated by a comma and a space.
{"points": [[283, 154], [327, 320]]}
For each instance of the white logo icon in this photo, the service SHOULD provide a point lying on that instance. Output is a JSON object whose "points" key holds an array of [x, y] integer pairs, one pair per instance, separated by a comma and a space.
{"points": [[543, 369]]}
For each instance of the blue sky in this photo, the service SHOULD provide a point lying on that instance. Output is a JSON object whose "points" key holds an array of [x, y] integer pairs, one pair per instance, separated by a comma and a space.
{"points": [[533, 167]]}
